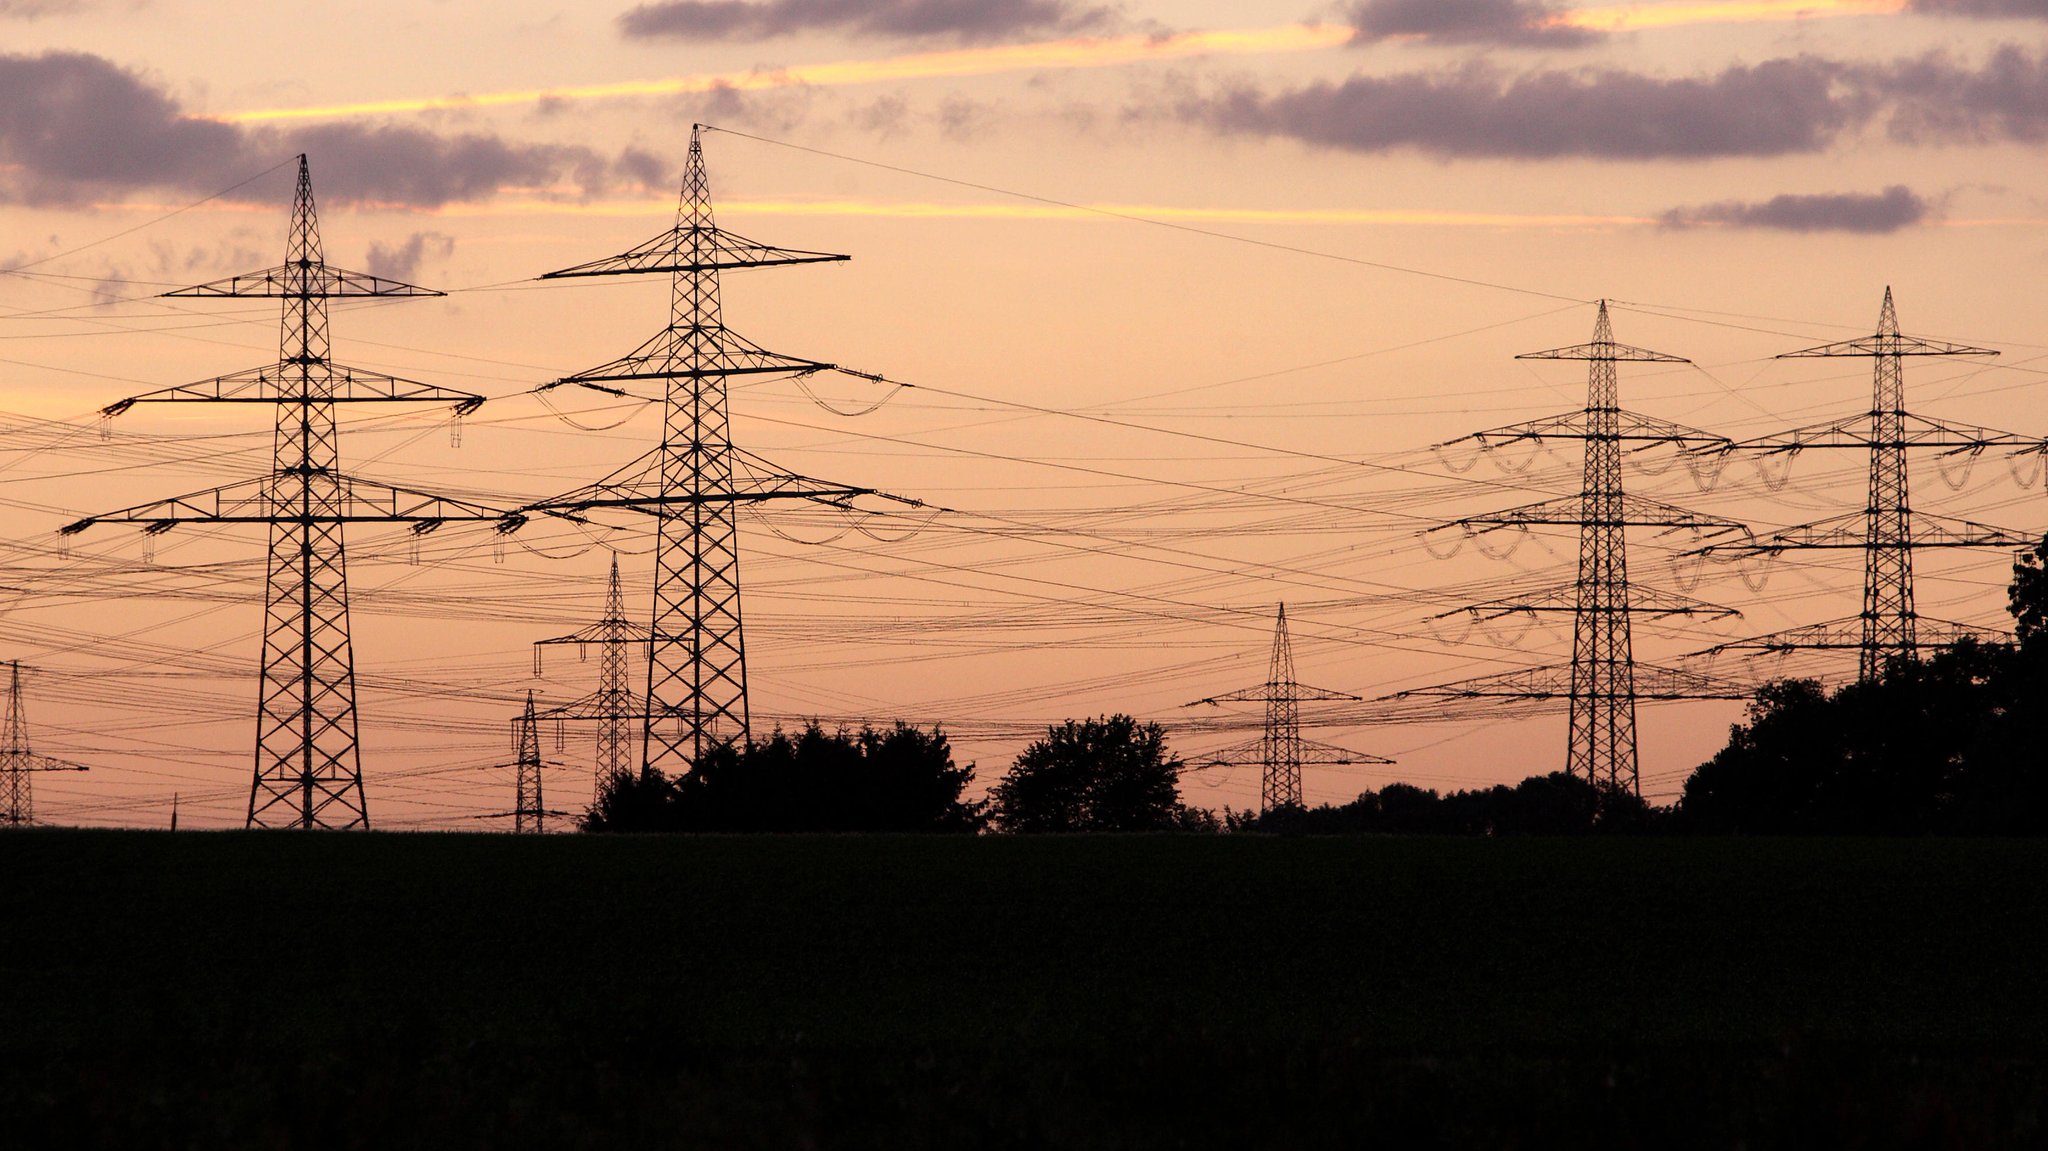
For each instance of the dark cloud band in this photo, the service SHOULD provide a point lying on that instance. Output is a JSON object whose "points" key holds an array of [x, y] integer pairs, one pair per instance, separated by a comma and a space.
{"points": [[75, 127], [1519, 23], [964, 20], [1891, 210]]}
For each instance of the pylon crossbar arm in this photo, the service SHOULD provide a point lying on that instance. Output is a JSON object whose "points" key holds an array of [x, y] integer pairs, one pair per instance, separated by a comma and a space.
{"points": [[1602, 350], [1275, 693], [1847, 635], [1570, 511], [687, 248], [286, 383], [1646, 602], [30, 761], [604, 631], [692, 353], [1652, 682], [638, 487], [1850, 533], [1634, 428], [270, 499], [1918, 432], [1882, 344], [301, 282]]}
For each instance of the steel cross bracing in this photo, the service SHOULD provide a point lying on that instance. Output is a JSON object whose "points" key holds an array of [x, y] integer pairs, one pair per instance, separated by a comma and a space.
{"points": [[612, 705], [1602, 683], [695, 479], [18, 762], [308, 765], [1888, 532], [1281, 751], [529, 811]]}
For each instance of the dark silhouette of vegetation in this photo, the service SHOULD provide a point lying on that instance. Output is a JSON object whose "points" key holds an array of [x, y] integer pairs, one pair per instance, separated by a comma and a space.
{"points": [[1106, 774], [1950, 743], [899, 780], [1554, 804]]}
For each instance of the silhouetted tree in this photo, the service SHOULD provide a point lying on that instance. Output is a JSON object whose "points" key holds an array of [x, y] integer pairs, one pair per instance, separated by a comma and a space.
{"points": [[1107, 774], [1554, 804], [902, 779]]}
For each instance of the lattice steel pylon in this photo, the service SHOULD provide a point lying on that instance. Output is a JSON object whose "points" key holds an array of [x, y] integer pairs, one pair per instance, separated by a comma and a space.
{"points": [[694, 482], [1888, 627], [529, 810], [308, 766], [18, 762], [612, 706], [1280, 751], [1602, 688]]}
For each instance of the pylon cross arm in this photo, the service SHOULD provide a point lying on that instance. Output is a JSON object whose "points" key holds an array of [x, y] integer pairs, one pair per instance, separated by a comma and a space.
{"points": [[685, 248], [285, 281], [257, 501], [287, 383]]}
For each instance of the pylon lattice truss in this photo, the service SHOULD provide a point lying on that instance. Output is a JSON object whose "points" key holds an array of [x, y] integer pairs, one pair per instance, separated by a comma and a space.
{"points": [[1280, 751], [1887, 531], [612, 705], [308, 766], [1602, 683], [694, 481], [18, 762], [529, 808]]}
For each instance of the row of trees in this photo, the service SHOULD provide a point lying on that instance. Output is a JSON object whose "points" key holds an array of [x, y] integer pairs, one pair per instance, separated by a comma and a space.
{"points": [[1108, 774], [1952, 743]]}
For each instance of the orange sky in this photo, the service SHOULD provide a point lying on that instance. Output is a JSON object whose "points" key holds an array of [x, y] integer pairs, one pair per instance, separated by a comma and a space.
{"points": [[1190, 291]]}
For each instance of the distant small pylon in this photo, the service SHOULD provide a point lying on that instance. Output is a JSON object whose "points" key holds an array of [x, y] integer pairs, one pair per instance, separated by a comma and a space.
{"points": [[1280, 750], [18, 762], [529, 812]]}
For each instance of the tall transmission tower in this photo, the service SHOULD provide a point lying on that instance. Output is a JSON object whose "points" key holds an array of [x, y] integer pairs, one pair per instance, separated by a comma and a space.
{"points": [[612, 705], [18, 762], [1281, 751], [695, 480], [1603, 683], [1887, 532], [529, 810], [308, 766]]}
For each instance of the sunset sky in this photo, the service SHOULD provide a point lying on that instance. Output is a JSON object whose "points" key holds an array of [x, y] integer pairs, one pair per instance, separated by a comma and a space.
{"points": [[1187, 292]]}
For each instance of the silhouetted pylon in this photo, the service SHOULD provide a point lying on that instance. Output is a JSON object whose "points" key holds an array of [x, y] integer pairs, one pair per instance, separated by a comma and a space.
{"points": [[308, 765], [18, 762], [696, 479], [1888, 627], [612, 705], [529, 810], [1602, 687], [1280, 751]]}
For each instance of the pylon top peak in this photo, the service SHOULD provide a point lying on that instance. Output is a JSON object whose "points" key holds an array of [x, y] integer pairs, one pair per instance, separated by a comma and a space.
{"points": [[1887, 341], [1603, 347]]}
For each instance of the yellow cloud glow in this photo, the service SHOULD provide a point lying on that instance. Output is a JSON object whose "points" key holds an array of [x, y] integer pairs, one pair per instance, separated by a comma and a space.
{"points": [[1079, 52], [920, 210], [1085, 52]]}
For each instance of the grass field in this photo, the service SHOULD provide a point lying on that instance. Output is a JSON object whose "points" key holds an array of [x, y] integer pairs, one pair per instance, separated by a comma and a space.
{"points": [[379, 990]]}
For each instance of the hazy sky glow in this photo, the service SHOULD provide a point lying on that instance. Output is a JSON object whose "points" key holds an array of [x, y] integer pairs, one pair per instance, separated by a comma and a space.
{"points": [[1187, 291]]}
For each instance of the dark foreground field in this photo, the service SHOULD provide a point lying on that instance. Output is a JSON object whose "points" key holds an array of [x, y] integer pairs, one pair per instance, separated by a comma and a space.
{"points": [[212, 990]]}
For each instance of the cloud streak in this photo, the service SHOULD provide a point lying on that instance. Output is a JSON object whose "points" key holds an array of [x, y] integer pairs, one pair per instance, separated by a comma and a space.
{"points": [[1775, 108], [963, 20], [1516, 23], [1985, 9], [76, 128], [1894, 209]]}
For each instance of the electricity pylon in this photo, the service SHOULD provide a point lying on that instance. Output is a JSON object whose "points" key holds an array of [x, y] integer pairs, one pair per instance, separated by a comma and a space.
{"points": [[18, 762], [1281, 751], [529, 811], [1888, 628], [1602, 683], [611, 705], [694, 482], [308, 766]]}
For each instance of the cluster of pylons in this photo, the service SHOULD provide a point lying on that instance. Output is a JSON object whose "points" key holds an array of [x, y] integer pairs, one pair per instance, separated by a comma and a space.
{"points": [[308, 771]]}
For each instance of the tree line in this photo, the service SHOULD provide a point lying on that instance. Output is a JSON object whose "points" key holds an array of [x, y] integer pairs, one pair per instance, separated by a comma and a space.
{"points": [[1950, 743]]}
